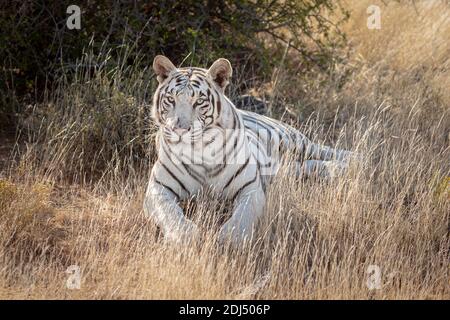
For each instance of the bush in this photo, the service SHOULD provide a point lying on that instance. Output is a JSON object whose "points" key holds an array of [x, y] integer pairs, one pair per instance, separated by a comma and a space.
{"points": [[92, 125], [35, 43]]}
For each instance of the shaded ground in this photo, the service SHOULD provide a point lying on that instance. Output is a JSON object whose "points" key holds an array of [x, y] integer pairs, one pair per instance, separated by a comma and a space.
{"points": [[7, 142]]}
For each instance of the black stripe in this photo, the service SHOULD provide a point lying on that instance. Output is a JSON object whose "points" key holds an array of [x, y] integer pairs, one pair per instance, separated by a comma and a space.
{"points": [[219, 106], [263, 126], [175, 178], [259, 123], [266, 165], [244, 186], [158, 100], [194, 174], [214, 171], [170, 156], [237, 173], [234, 149], [218, 169], [258, 140], [207, 143], [168, 188], [235, 116], [210, 96]]}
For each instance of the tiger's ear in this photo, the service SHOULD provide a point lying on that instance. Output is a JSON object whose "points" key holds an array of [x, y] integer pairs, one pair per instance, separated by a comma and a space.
{"points": [[162, 67], [221, 72]]}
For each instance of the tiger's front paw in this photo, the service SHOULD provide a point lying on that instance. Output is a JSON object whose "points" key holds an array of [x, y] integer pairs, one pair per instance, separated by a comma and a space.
{"points": [[186, 233]]}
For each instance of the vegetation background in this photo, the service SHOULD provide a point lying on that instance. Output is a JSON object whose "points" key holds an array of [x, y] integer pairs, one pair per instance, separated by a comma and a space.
{"points": [[76, 147]]}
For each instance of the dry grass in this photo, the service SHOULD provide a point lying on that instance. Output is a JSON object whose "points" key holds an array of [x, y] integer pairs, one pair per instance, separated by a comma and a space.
{"points": [[317, 239]]}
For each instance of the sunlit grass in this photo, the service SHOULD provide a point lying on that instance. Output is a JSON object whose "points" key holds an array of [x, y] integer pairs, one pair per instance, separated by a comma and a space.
{"points": [[73, 195]]}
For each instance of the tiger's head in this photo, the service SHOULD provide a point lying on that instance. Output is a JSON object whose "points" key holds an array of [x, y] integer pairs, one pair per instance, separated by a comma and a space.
{"points": [[190, 100]]}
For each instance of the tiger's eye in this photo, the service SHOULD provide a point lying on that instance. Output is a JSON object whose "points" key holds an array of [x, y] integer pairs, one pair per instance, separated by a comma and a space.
{"points": [[170, 99], [200, 100]]}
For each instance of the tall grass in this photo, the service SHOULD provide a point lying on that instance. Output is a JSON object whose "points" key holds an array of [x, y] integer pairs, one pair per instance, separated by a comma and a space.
{"points": [[74, 194]]}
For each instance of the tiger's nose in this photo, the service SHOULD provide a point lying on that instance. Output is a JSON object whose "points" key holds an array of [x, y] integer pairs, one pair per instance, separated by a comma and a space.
{"points": [[181, 131]]}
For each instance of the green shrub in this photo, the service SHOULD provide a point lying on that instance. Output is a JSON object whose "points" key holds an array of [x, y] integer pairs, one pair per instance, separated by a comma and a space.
{"points": [[35, 43]]}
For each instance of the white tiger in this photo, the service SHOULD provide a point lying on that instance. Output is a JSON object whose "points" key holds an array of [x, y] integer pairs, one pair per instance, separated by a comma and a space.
{"points": [[204, 141]]}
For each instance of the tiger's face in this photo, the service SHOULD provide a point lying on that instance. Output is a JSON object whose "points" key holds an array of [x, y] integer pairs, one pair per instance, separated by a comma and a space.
{"points": [[188, 100]]}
